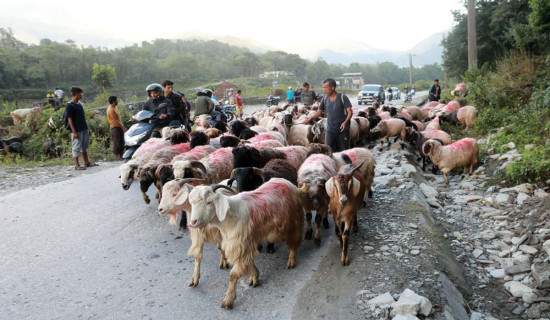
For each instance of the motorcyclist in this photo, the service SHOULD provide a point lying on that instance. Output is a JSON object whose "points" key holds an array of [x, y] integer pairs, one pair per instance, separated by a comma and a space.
{"points": [[161, 107], [204, 104], [390, 95]]}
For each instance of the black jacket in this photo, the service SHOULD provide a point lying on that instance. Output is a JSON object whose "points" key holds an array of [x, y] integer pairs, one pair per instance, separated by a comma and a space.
{"points": [[159, 106]]}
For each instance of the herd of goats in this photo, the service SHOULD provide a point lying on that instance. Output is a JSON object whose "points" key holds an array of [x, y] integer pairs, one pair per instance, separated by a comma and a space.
{"points": [[251, 182]]}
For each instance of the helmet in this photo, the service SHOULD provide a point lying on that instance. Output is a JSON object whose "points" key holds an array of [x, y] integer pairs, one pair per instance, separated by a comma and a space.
{"points": [[207, 91], [153, 87]]}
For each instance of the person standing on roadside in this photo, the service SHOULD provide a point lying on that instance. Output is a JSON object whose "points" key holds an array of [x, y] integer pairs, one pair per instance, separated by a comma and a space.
{"points": [[338, 109], [117, 127], [80, 136], [435, 91], [239, 106], [308, 96], [290, 95], [60, 95], [180, 116]]}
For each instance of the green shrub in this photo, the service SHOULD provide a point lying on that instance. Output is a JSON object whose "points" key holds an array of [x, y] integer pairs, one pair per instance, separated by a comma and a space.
{"points": [[533, 167]]}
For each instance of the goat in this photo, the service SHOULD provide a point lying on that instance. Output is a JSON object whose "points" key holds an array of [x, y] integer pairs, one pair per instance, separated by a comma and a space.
{"points": [[463, 153], [247, 134], [130, 170], [176, 199], [312, 175], [270, 213], [301, 135], [250, 178], [355, 157], [193, 154], [198, 138], [465, 115], [229, 141], [417, 139], [247, 156], [237, 126], [216, 167], [268, 136], [346, 191], [389, 128], [295, 155], [22, 114]]}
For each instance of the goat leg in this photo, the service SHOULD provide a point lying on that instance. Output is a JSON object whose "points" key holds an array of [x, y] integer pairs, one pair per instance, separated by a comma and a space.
{"points": [[270, 247], [231, 295], [317, 238], [254, 276], [325, 222], [183, 220], [345, 239], [198, 247], [355, 225], [223, 259], [309, 230]]}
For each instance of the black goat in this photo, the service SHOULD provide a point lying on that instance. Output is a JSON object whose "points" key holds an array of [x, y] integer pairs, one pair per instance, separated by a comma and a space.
{"points": [[247, 134], [247, 156], [198, 138], [450, 118], [237, 126], [179, 136], [417, 140], [222, 126], [374, 120], [229, 141]]}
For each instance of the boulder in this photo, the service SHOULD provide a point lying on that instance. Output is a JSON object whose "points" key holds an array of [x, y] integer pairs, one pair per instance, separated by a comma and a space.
{"points": [[521, 198], [502, 199], [541, 274], [408, 167], [517, 289], [381, 300], [405, 317], [517, 268], [411, 303], [428, 191]]}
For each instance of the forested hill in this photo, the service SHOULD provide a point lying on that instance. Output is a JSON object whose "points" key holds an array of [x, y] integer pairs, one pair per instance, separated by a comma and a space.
{"points": [[189, 62]]}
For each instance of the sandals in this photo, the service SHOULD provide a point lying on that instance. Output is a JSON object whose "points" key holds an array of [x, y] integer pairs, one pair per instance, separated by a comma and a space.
{"points": [[90, 164], [79, 168]]}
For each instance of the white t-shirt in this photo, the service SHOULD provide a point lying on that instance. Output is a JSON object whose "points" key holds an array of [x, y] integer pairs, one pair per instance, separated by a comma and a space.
{"points": [[58, 93]]}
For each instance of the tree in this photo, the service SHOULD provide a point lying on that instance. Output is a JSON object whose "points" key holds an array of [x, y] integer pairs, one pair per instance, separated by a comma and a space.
{"points": [[104, 76]]}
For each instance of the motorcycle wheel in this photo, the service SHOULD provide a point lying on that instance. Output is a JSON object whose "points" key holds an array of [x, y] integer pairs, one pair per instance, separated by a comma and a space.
{"points": [[268, 103], [230, 116]]}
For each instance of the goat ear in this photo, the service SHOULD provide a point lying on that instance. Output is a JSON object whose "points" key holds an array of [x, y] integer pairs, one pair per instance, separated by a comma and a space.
{"points": [[183, 195], [427, 148], [329, 187], [222, 206], [356, 187]]}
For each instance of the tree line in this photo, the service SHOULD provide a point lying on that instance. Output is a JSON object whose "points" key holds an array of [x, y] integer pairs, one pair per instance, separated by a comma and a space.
{"points": [[502, 26], [188, 62]]}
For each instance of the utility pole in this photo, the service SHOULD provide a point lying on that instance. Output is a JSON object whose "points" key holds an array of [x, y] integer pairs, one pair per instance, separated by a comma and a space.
{"points": [[410, 69], [472, 41]]}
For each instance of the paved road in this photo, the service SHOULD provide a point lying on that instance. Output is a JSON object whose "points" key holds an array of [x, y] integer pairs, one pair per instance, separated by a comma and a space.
{"points": [[85, 248]]}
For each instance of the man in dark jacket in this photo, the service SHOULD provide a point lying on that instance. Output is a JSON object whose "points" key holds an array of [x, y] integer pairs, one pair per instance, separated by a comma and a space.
{"points": [[435, 91], [179, 108], [160, 106]]}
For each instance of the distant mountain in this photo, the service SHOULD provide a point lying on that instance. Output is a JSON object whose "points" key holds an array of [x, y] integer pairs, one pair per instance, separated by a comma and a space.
{"points": [[252, 45], [427, 51]]}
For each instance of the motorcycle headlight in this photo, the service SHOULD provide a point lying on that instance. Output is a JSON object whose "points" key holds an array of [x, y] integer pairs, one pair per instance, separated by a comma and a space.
{"points": [[132, 141]]}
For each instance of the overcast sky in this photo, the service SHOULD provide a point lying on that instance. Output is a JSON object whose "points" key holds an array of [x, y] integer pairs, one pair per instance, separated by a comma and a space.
{"points": [[291, 26]]}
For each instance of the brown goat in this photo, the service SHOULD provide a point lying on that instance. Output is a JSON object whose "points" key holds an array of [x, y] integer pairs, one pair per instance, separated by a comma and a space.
{"points": [[346, 191]]}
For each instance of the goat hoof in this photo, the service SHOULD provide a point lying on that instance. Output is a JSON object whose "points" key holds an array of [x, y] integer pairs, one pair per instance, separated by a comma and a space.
{"points": [[147, 201], [308, 235], [260, 247], [364, 203], [194, 283], [253, 282], [227, 304], [291, 264], [317, 242], [345, 262]]}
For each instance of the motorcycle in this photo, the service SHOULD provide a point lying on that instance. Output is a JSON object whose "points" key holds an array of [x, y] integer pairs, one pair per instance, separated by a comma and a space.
{"points": [[138, 132], [272, 100], [408, 98]]}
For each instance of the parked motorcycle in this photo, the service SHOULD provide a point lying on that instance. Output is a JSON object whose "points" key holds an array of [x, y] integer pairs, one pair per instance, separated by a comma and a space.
{"points": [[138, 132], [272, 100]]}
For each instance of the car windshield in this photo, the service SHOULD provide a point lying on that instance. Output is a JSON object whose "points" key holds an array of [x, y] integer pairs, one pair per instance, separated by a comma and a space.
{"points": [[370, 88], [394, 88]]}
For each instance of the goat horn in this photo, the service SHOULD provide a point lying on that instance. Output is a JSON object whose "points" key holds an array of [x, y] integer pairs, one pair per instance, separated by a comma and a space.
{"points": [[217, 186], [181, 182], [233, 173], [355, 168], [198, 164], [259, 172]]}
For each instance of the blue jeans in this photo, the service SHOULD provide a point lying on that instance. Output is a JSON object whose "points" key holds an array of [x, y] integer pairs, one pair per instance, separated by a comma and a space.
{"points": [[216, 114]]}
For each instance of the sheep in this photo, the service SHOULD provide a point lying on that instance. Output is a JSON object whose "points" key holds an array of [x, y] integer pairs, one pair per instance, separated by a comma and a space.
{"points": [[248, 134], [258, 129], [319, 148], [446, 109], [364, 127], [374, 121], [129, 170], [229, 141], [394, 114], [22, 114], [312, 175], [346, 191], [389, 128], [216, 167], [176, 199], [251, 120], [419, 125], [222, 126], [267, 144], [193, 154], [462, 153], [465, 115], [199, 138], [236, 126], [415, 112], [353, 133], [278, 128], [247, 156], [213, 133], [269, 135], [204, 121], [147, 173], [355, 157], [250, 178], [301, 135], [270, 213], [178, 136], [295, 155], [419, 138], [459, 90], [433, 125], [319, 129]]}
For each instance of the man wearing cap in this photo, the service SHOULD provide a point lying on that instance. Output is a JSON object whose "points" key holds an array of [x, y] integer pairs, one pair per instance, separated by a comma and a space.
{"points": [[435, 91]]}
